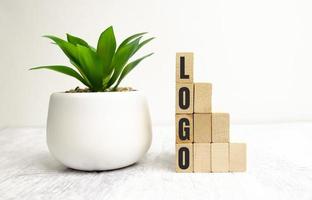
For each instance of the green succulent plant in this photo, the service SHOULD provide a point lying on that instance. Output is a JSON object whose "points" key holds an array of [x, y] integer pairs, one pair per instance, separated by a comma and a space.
{"points": [[101, 68]]}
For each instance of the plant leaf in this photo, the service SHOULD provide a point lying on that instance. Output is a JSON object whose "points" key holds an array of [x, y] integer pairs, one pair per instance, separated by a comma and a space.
{"points": [[121, 58], [106, 48], [71, 52], [76, 40], [129, 67], [143, 43], [69, 49], [93, 65], [83, 73], [132, 37], [65, 70]]}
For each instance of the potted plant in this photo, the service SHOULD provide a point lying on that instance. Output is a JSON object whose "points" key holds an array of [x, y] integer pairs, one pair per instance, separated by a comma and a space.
{"points": [[101, 127]]}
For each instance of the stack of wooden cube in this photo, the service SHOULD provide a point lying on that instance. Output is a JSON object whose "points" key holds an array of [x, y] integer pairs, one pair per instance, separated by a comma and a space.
{"points": [[202, 137]]}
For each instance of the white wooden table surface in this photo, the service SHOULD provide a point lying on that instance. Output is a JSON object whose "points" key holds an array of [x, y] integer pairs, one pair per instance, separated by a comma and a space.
{"points": [[279, 167]]}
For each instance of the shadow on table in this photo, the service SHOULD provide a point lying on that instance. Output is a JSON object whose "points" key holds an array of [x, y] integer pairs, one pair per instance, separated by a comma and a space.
{"points": [[164, 161]]}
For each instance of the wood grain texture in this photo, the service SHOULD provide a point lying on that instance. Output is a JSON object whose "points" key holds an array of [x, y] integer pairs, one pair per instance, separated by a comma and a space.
{"points": [[202, 97], [202, 157], [184, 98], [184, 67], [202, 128], [275, 171], [238, 158], [219, 157], [220, 132], [184, 128]]}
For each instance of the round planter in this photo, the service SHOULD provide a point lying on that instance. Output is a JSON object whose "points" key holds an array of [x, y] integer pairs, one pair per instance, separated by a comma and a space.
{"points": [[98, 131]]}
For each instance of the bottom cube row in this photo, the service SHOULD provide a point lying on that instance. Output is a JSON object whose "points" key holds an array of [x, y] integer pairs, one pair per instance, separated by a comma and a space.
{"points": [[211, 157]]}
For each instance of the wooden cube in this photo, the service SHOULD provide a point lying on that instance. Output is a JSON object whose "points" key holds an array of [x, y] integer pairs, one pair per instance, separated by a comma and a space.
{"points": [[184, 128], [220, 127], [202, 97], [184, 157], [237, 157], [202, 128], [219, 157], [184, 98], [184, 67], [202, 158]]}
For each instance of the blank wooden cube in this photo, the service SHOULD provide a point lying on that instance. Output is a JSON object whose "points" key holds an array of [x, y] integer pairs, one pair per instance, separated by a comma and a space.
{"points": [[184, 98], [202, 97], [184, 67], [184, 157], [219, 157], [202, 128], [237, 157], [220, 127], [184, 128], [202, 155]]}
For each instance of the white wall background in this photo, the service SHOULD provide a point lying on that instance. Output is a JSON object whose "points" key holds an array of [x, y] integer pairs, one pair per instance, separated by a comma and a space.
{"points": [[257, 54]]}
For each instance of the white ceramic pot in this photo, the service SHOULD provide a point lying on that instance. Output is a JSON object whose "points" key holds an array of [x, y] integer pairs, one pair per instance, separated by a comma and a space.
{"points": [[98, 131]]}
